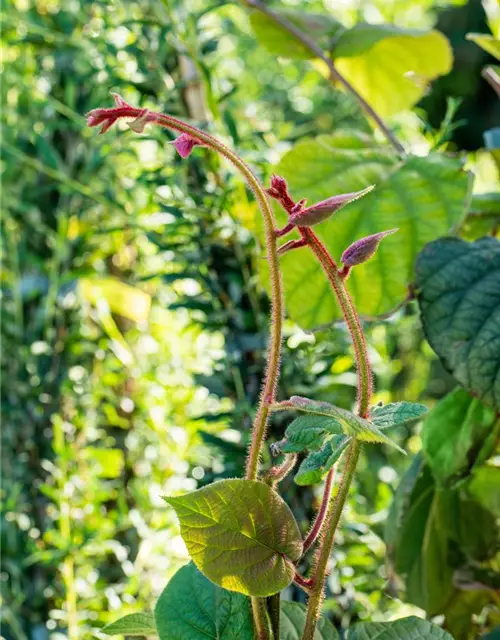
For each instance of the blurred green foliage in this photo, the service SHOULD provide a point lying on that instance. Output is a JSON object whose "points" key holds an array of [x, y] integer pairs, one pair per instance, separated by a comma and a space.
{"points": [[134, 320]]}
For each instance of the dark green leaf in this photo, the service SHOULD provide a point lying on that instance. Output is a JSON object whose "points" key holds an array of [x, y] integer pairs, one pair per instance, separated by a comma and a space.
{"points": [[459, 296], [345, 162], [315, 467], [193, 607], [485, 488], [411, 628], [135, 624], [458, 433], [241, 535], [396, 413], [293, 617]]}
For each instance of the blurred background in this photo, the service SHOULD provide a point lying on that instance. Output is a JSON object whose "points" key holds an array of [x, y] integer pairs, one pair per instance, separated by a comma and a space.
{"points": [[134, 322]]}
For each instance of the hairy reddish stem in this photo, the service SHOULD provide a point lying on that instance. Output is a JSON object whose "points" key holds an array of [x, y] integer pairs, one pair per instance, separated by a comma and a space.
{"points": [[320, 516]]}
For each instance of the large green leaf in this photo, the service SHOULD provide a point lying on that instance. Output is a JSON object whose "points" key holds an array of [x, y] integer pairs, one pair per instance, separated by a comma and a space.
{"points": [[279, 41], [417, 537], [458, 433], [391, 66], [423, 197], [241, 535], [135, 624], [396, 413], [193, 607], [326, 417], [317, 464], [458, 286], [293, 617], [411, 628]]}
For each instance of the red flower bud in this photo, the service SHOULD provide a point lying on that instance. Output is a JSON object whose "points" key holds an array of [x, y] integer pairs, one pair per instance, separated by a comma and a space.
{"points": [[363, 249], [323, 210], [184, 144]]}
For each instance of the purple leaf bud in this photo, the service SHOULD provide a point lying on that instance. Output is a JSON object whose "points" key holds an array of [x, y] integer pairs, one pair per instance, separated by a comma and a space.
{"points": [[363, 249], [323, 210], [184, 144]]}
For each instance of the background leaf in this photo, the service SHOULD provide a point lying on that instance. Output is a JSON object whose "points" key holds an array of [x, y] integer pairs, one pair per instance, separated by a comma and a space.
{"points": [[423, 197], [391, 66], [411, 627], [293, 618], [193, 607], [458, 433], [280, 42], [135, 624], [459, 297], [487, 42], [396, 413], [241, 535]]}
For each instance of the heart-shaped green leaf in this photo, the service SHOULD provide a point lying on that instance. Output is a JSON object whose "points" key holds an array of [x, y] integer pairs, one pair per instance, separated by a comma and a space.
{"points": [[396, 413], [423, 197], [317, 464], [389, 66], [458, 285], [325, 417], [281, 42], [134, 624], [409, 628], [293, 618], [459, 433], [193, 607], [241, 535]]}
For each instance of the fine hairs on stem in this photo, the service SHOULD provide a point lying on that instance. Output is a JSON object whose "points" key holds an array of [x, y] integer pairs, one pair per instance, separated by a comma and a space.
{"points": [[266, 613]]}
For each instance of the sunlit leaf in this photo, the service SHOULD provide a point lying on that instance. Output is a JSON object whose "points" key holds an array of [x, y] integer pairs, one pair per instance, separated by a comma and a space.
{"points": [[487, 42], [423, 197], [121, 298], [193, 607], [458, 286], [135, 624], [293, 618], [241, 535], [389, 66]]}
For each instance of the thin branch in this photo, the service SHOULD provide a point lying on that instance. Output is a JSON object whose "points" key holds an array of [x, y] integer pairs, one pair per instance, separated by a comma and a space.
{"points": [[320, 517], [335, 75]]}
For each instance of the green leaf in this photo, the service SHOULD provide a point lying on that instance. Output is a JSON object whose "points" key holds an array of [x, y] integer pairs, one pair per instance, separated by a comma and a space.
{"points": [[423, 197], [459, 433], [396, 413], [193, 607], [293, 618], [279, 41], [458, 286], [485, 488], [487, 42], [408, 628], [315, 467], [241, 535], [307, 433], [352, 425], [135, 624], [417, 538], [389, 66]]}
